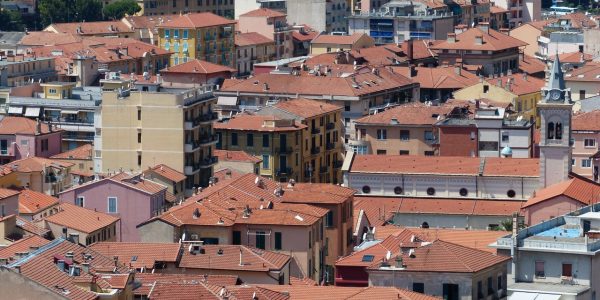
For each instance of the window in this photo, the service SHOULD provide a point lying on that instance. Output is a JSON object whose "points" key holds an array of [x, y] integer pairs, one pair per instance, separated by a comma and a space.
{"points": [[176, 33], [418, 287], [404, 135], [450, 291], [234, 139], [404, 152], [185, 34], [567, 270], [511, 193], [499, 282], [429, 136], [490, 286], [479, 290], [139, 137], [237, 238], [472, 135], [250, 140], [265, 140], [581, 94], [366, 189], [139, 159], [347, 106], [278, 241], [167, 33], [167, 46], [112, 205], [398, 190], [79, 201], [558, 133], [4, 147], [381, 152], [381, 134], [260, 239], [265, 162], [586, 163], [45, 145], [139, 114], [368, 258], [550, 133], [486, 88], [463, 192], [430, 191], [329, 219], [429, 153], [589, 142], [505, 136], [572, 161]]}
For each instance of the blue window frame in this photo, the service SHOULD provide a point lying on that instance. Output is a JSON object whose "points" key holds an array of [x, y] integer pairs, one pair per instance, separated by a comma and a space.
{"points": [[265, 162], [185, 34], [167, 46], [112, 205], [167, 33], [176, 33]]}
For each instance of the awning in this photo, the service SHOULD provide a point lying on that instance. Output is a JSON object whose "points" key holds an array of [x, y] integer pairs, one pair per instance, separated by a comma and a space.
{"points": [[231, 101], [69, 112], [15, 110], [533, 296], [32, 112]]}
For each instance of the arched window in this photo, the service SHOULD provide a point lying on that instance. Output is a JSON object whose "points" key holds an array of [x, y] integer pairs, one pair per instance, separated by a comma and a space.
{"points": [[550, 131], [366, 189], [397, 190], [425, 225], [430, 191], [558, 129]]}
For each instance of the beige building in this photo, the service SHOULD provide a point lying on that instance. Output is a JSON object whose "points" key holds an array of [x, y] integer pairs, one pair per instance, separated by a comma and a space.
{"points": [[334, 43], [146, 125], [67, 223], [529, 33], [252, 48], [19, 70], [83, 163], [584, 82], [239, 161], [272, 24], [169, 177], [160, 8]]}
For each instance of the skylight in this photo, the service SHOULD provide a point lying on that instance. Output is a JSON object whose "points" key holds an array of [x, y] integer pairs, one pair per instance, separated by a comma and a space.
{"points": [[368, 258]]}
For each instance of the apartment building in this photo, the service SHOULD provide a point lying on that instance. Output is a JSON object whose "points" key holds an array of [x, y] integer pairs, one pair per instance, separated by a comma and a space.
{"points": [[398, 21], [39, 174], [67, 223], [583, 82], [20, 70], [325, 43], [22, 137], [321, 151], [585, 144], [529, 33], [203, 36], [322, 15], [82, 158], [490, 51], [223, 8], [63, 105], [111, 29], [131, 139], [196, 72], [252, 47], [169, 177], [272, 24], [438, 84], [401, 130], [521, 11]]}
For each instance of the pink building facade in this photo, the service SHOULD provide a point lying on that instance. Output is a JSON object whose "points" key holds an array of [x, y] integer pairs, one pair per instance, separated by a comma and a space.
{"points": [[22, 138], [271, 24]]}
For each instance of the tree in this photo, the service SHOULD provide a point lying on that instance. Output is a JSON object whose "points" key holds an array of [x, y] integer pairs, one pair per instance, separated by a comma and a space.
{"points": [[120, 8], [61, 11], [87, 10], [53, 11], [11, 21]]}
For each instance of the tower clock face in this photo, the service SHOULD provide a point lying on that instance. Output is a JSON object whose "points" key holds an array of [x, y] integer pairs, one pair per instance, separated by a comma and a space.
{"points": [[554, 95]]}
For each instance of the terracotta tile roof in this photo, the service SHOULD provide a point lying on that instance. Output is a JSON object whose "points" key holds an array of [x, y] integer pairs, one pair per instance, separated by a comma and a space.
{"points": [[588, 73], [305, 35], [531, 65], [134, 181], [45, 38], [147, 280], [81, 219], [36, 228], [299, 292], [241, 156], [519, 84], [539, 25], [317, 193], [440, 77], [573, 57], [251, 38], [441, 256], [588, 121], [579, 20], [307, 108], [338, 39], [251, 292], [181, 291], [226, 173], [147, 186], [494, 41], [195, 20], [253, 260], [422, 49], [42, 269], [439, 206], [23, 245], [91, 28], [577, 188], [356, 85], [248, 122], [5, 193], [197, 66], [166, 172], [382, 55], [410, 114], [138, 255], [392, 243], [302, 281], [20, 125], [409, 164], [497, 10], [36, 164], [263, 12], [31, 202], [80, 153]]}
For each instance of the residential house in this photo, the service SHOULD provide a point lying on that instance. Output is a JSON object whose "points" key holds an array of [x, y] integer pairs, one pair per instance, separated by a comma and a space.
{"points": [[252, 47], [583, 82], [532, 66], [523, 91], [529, 32], [438, 84], [9, 202], [322, 15], [41, 174], [149, 281], [129, 197], [565, 34], [324, 43], [158, 9], [81, 225], [22, 137], [82, 158], [111, 29], [470, 12], [143, 257], [499, 17], [573, 60], [63, 105], [521, 11], [20, 70], [183, 139], [35, 205], [204, 36], [399, 21], [251, 265], [585, 141], [10, 41], [542, 263], [493, 52], [401, 130], [21, 248], [169, 177], [342, 293], [196, 73], [443, 269], [238, 160], [322, 137], [271, 24], [302, 35]]}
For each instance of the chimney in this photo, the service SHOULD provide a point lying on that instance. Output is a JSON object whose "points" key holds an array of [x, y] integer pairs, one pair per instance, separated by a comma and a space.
{"points": [[228, 174], [85, 267], [479, 40], [521, 56], [74, 238], [409, 50], [525, 76], [485, 27], [116, 260], [38, 127], [451, 38], [412, 71], [241, 262], [457, 69], [265, 86]]}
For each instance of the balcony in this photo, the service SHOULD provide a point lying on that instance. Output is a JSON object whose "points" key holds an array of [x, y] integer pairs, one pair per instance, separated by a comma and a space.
{"points": [[208, 118], [284, 150], [330, 126], [73, 137], [209, 140], [209, 162], [315, 150], [338, 164], [323, 170], [329, 146], [315, 130], [191, 146], [191, 169], [284, 172]]}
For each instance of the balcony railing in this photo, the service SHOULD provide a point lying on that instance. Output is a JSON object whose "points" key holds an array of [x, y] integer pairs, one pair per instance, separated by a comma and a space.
{"points": [[329, 146], [208, 139], [315, 150], [330, 126], [284, 150], [284, 172], [315, 130], [209, 162], [323, 170], [338, 164], [201, 119]]}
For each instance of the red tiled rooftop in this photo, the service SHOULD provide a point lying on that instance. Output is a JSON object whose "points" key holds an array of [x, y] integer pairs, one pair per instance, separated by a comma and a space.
{"points": [[253, 260], [251, 38], [196, 20], [531, 65], [300, 292], [409, 114], [579, 189], [146, 254], [307, 108], [148, 280], [233, 155], [246, 122], [197, 66], [80, 153], [492, 41], [31, 202], [92, 28], [440, 77], [263, 12], [166, 172], [24, 245], [588, 73], [81, 219], [20, 125], [36, 164], [520, 85]]}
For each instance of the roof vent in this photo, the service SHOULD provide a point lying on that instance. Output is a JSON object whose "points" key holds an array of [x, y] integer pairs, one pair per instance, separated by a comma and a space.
{"points": [[394, 121], [221, 222], [411, 253], [246, 212], [220, 252], [299, 218], [196, 213]]}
